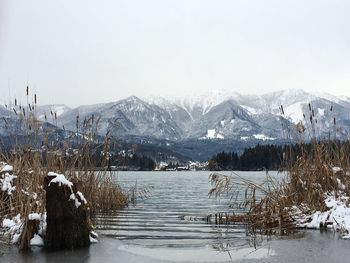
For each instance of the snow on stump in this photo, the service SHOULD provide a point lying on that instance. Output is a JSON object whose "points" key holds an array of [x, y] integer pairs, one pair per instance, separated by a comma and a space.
{"points": [[67, 216]]}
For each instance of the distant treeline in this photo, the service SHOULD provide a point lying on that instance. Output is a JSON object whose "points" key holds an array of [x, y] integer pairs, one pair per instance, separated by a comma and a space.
{"points": [[270, 157], [142, 163], [260, 157], [127, 162]]}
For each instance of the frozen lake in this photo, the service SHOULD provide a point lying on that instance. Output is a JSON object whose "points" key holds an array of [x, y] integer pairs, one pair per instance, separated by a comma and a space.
{"points": [[168, 226]]}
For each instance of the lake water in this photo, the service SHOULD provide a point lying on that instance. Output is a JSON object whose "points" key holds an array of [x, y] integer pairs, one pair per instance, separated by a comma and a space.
{"points": [[174, 212], [169, 225]]}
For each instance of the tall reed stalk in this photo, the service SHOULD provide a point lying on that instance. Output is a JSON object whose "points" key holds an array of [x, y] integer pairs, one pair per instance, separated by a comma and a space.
{"points": [[37, 148], [310, 177]]}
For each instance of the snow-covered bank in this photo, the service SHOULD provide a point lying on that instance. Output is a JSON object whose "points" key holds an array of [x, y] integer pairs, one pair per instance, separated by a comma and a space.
{"points": [[13, 228], [337, 217]]}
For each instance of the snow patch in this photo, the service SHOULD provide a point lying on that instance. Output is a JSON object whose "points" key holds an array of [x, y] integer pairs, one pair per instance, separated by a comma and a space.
{"points": [[7, 178], [37, 241], [93, 240], [59, 110], [321, 112], [263, 137], [6, 169], [250, 109], [212, 134], [295, 112], [8, 223], [337, 217], [75, 199], [13, 228], [93, 237], [336, 169], [60, 179], [82, 198], [219, 136], [6, 183], [78, 197], [34, 216]]}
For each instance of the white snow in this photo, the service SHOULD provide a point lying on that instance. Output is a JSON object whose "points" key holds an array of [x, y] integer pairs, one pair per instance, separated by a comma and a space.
{"points": [[59, 110], [8, 223], [76, 201], [219, 136], [244, 138], [93, 240], [42, 225], [82, 198], [60, 179], [212, 134], [336, 169], [13, 227], [250, 109], [7, 178], [263, 137], [337, 217], [6, 169], [34, 216], [295, 112], [6, 183], [93, 237], [16, 236], [37, 241], [93, 234], [321, 112]]}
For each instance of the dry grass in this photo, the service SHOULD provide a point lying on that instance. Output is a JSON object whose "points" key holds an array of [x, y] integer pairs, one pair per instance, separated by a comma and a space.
{"points": [[36, 152], [309, 178]]}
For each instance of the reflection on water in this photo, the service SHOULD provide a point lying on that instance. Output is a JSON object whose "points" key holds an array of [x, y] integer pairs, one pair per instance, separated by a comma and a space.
{"points": [[175, 215]]}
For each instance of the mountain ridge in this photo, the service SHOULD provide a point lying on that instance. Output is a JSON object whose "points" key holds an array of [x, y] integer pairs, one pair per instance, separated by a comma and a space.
{"points": [[217, 115]]}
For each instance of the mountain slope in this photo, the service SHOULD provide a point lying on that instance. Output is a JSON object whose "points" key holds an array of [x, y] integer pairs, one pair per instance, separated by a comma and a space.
{"points": [[215, 115], [131, 116]]}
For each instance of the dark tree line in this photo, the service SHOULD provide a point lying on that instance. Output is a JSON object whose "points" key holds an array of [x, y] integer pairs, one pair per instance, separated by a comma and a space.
{"points": [[275, 157], [135, 161], [125, 162], [260, 157]]}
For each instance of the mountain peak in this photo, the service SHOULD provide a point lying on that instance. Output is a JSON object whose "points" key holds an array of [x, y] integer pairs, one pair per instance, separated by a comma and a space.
{"points": [[133, 99], [228, 113]]}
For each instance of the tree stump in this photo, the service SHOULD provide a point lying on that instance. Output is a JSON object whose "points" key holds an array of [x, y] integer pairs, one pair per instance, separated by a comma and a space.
{"points": [[67, 223]]}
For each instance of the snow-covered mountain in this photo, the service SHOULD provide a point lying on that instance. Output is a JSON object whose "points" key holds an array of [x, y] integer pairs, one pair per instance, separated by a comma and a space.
{"points": [[130, 116], [216, 115], [50, 111], [269, 115]]}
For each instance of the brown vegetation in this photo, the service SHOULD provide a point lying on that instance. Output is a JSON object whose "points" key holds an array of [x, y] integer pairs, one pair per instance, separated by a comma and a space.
{"points": [[275, 206], [36, 152]]}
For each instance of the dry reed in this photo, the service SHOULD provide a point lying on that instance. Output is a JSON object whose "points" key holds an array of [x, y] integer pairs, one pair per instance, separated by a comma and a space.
{"points": [[310, 177], [37, 148]]}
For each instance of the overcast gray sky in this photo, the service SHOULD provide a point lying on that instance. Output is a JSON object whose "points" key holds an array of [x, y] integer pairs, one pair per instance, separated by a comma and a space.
{"points": [[84, 51]]}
